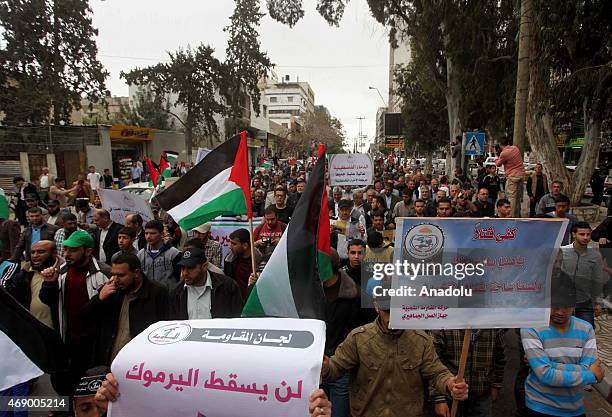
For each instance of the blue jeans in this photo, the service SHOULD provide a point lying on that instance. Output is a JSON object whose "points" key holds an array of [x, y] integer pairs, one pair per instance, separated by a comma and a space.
{"points": [[586, 314], [19, 390], [339, 397]]}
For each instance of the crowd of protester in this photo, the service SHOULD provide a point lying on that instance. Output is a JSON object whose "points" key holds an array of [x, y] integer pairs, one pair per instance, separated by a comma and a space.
{"points": [[99, 283]]}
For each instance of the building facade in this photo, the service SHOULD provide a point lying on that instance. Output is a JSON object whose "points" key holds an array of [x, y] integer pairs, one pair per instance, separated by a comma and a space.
{"points": [[288, 102]]}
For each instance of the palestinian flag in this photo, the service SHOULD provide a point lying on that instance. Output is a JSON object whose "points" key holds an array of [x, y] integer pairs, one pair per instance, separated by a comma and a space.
{"points": [[170, 156], [29, 348], [323, 235], [290, 284], [164, 164], [4, 207], [218, 185], [153, 173]]}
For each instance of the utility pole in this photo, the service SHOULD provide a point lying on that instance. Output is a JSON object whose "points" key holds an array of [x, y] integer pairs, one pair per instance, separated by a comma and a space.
{"points": [[360, 137], [522, 74]]}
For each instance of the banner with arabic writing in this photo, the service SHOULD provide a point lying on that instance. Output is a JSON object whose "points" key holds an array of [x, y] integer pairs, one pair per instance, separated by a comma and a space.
{"points": [[220, 368], [354, 169], [454, 273]]}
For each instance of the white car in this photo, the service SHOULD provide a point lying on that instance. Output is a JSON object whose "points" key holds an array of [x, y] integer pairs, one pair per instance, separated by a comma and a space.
{"points": [[143, 190]]}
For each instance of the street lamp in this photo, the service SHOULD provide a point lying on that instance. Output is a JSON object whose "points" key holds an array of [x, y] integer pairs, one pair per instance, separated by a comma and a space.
{"points": [[380, 95]]}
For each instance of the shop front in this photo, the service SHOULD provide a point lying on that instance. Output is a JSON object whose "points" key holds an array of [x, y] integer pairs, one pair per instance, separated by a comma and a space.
{"points": [[128, 145]]}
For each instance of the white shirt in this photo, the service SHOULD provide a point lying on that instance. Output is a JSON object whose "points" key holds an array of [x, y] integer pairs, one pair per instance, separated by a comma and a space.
{"points": [[44, 181], [102, 255], [199, 300], [94, 180]]}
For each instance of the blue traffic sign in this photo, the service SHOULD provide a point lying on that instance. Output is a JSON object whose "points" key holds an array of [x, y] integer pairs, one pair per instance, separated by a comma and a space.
{"points": [[474, 143]]}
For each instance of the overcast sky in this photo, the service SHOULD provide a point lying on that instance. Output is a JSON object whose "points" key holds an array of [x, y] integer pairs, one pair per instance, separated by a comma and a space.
{"points": [[339, 63]]}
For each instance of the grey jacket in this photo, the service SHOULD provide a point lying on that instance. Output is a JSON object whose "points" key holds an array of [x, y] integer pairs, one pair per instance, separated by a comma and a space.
{"points": [[163, 268], [586, 270]]}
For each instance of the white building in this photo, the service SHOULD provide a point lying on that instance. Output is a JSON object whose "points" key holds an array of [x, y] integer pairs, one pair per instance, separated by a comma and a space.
{"points": [[397, 56], [286, 101], [380, 125]]}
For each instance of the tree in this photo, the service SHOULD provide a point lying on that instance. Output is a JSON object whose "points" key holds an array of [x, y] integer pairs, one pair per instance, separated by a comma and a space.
{"points": [[48, 60], [423, 109], [192, 81], [148, 111], [570, 80], [467, 47], [318, 127], [245, 62]]}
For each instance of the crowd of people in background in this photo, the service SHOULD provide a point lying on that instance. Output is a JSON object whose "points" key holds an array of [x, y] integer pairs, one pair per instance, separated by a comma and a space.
{"points": [[99, 283]]}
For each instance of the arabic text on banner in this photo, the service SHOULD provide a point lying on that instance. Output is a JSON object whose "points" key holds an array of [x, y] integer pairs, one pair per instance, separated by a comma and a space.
{"points": [[122, 203], [354, 169], [511, 261], [221, 368]]}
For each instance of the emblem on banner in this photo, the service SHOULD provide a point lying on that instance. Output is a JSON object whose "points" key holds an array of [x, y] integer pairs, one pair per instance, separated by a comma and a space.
{"points": [[170, 333], [424, 241]]}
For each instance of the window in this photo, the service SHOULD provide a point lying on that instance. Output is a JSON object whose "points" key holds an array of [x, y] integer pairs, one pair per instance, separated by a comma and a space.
{"points": [[285, 125], [290, 99], [273, 99]]}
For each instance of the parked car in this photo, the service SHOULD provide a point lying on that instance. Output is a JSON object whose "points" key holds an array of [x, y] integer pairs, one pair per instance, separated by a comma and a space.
{"points": [[143, 190]]}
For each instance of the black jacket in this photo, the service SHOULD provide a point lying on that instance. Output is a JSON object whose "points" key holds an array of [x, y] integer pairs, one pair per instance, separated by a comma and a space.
{"points": [[111, 245], [47, 232], [149, 306], [225, 300], [341, 314]]}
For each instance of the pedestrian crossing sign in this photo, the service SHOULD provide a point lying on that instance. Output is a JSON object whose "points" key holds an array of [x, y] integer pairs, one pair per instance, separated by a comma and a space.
{"points": [[474, 143]]}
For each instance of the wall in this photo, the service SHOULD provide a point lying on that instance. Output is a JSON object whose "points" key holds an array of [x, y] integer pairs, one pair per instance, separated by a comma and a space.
{"points": [[165, 140], [100, 156]]}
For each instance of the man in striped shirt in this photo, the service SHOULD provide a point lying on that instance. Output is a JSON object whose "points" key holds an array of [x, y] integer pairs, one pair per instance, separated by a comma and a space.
{"points": [[562, 359]]}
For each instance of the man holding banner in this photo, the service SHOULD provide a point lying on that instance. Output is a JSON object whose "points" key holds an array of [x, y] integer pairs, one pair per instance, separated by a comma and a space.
{"points": [[388, 368]]}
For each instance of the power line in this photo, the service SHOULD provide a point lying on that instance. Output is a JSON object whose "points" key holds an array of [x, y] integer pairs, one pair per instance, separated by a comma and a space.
{"points": [[135, 58]]}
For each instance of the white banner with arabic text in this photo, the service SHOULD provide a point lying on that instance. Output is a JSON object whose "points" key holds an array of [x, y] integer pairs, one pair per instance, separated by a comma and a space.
{"points": [[220, 368]]}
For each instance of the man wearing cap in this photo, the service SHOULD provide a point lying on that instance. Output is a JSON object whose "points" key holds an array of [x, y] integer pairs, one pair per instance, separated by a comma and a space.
{"points": [[203, 294], [67, 290], [54, 216], [37, 230], [125, 306], [212, 248]]}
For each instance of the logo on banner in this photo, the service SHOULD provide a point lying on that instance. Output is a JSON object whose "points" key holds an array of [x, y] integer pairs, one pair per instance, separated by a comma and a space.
{"points": [[424, 241], [170, 333]]}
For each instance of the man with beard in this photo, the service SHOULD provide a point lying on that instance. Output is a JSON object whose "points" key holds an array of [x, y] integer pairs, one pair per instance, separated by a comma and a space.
{"points": [[25, 285], [55, 216], [67, 290], [125, 306]]}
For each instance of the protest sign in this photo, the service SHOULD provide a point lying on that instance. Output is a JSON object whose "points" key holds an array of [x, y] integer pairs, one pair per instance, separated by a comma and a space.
{"points": [[121, 203], [350, 169], [473, 273], [222, 227], [220, 368]]}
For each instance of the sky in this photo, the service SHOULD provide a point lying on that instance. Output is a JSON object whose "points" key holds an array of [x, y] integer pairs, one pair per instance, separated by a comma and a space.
{"points": [[340, 63]]}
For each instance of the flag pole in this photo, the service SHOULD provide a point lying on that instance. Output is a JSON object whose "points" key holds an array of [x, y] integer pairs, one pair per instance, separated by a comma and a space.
{"points": [[462, 362], [252, 245]]}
